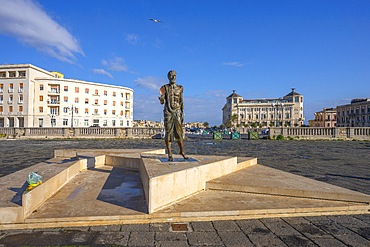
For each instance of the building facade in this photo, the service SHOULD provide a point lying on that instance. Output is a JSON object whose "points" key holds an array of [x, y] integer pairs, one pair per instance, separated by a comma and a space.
{"points": [[33, 97], [356, 114], [325, 118], [286, 111]]}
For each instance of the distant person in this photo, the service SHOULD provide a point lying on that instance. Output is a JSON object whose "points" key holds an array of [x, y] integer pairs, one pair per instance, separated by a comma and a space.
{"points": [[171, 97]]}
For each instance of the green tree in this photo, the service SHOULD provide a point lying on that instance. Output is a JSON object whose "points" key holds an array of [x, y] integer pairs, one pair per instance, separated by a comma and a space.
{"points": [[234, 119], [206, 124]]}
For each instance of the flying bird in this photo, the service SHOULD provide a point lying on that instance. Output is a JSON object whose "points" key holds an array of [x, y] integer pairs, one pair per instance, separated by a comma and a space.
{"points": [[155, 20]]}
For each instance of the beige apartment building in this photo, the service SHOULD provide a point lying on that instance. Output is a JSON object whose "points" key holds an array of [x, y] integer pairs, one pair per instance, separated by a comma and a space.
{"points": [[33, 97], [285, 111], [356, 114], [325, 118]]}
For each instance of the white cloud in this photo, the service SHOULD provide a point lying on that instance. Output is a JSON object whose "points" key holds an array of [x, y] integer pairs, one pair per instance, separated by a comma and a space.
{"points": [[235, 64], [31, 25], [142, 111], [132, 38], [102, 72], [115, 64], [149, 82]]}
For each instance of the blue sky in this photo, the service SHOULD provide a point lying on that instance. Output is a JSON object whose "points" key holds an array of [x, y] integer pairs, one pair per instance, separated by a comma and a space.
{"points": [[261, 49]]}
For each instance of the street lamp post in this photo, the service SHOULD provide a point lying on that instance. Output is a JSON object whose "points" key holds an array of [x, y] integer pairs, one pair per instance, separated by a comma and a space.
{"points": [[72, 110]]}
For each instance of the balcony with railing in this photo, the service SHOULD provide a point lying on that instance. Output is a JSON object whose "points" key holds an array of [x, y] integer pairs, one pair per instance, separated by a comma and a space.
{"points": [[53, 101], [54, 91]]}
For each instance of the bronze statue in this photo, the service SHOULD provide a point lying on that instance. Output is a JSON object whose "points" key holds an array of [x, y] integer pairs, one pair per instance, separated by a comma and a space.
{"points": [[171, 97]]}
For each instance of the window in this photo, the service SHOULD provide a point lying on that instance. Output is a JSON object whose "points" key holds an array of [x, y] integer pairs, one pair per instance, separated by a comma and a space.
{"points": [[41, 98], [105, 93], [121, 123], [86, 122], [1, 88], [10, 88], [20, 108], [105, 111], [105, 102], [65, 121], [105, 122], [11, 108], [96, 92], [86, 110], [114, 94], [86, 91], [65, 88], [86, 101], [10, 101], [113, 112], [121, 95], [41, 109], [114, 103], [121, 113], [65, 99], [20, 99], [22, 73], [20, 89], [96, 102], [76, 100], [65, 109], [53, 111], [121, 103], [77, 89], [41, 87], [76, 110], [54, 89], [1, 99], [113, 123], [1, 108], [96, 111], [3, 74], [12, 73]]}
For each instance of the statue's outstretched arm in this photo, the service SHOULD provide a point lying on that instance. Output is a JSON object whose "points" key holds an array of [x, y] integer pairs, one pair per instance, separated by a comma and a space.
{"points": [[162, 92]]}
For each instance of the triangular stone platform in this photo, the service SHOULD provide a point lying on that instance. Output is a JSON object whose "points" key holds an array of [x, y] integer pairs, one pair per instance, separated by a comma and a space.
{"points": [[94, 187]]}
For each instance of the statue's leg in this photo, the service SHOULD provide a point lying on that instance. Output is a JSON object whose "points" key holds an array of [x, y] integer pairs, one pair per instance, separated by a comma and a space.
{"points": [[168, 146], [182, 152]]}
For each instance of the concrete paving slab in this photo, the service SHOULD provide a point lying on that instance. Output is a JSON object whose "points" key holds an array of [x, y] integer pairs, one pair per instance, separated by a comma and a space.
{"points": [[266, 180], [103, 195]]}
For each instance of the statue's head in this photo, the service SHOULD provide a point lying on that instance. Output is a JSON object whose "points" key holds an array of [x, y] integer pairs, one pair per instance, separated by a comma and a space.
{"points": [[172, 76]]}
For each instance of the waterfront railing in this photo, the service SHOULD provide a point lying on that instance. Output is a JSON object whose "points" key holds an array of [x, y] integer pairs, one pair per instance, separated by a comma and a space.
{"points": [[317, 133]]}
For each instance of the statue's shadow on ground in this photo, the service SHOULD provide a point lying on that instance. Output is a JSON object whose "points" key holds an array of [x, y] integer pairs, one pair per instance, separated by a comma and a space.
{"points": [[124, 188]]}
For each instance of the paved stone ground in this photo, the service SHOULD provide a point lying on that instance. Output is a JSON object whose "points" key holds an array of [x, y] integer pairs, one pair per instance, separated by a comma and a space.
{"points": [[346, 164]]}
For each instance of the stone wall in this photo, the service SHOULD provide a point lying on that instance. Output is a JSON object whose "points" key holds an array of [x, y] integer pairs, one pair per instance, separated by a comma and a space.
{"points": [[90, 132], [344, 133]]}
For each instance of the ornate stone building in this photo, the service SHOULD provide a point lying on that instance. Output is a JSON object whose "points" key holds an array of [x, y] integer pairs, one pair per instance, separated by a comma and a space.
{"points": [[356, 114], [33, 97], [286, 111], [325, 118]]}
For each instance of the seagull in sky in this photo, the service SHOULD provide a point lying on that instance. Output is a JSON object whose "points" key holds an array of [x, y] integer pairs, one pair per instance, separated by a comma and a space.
{"points": [[155, 20]]}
